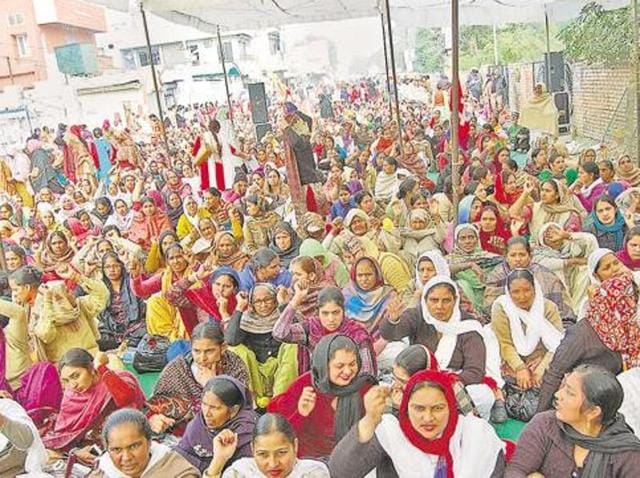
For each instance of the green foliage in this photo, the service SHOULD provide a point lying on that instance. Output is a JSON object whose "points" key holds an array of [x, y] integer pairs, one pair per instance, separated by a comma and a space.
{"points": [[430, 52], [517, 43], [599, 36]]}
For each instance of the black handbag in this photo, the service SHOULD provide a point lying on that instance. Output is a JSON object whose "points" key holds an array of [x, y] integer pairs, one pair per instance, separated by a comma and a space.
{"points": [[151, 354], [520, 404]]}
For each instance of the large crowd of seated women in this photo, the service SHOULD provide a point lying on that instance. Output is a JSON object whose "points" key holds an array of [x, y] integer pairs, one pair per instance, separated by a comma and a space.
{"points": [[154, 326]]}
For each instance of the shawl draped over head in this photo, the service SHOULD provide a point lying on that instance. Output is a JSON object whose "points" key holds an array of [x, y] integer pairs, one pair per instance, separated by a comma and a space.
{"points": [[464, 209], [538, 327], [367, 306], [501, 232], [106, 202], [237, 259], [174, 213], [613, 315], [501, 195], [196, 444], [123, 223], [355, 213], [540, 113], [286, 255], [458, 256], [593, 261], [558, 212], [438, 446], [79, 411], [332, 265], [616, 438], [625, 257], [349, 408], [453, 327], [616, 228], [439, 264], [49, 260], [632, 177], [203, 296], [145, 229], [252, 322]]}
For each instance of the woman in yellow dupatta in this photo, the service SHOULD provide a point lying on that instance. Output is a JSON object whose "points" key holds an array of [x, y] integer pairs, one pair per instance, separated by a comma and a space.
{"points": [[169, 313], [540, 112]]}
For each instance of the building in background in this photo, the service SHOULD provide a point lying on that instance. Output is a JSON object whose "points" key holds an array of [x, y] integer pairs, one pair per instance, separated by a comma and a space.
{"points": [[33, 31]]}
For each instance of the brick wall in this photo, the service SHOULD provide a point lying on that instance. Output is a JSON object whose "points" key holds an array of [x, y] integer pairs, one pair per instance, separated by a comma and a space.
{"points": [[603, 102]]}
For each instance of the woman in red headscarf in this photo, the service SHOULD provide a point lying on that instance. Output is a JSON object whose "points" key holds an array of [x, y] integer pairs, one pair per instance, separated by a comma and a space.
{"points": [[493, 233], [429, 435]]}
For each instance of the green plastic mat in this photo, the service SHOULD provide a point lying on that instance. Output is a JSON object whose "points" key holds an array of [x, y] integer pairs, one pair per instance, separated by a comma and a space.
{"points": [[509, 430], [147, 380]]}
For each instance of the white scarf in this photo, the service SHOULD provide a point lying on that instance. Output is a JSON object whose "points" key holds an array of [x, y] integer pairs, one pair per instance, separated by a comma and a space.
{"points": [[439, 264], [36, 453], [594, 260], [193, 219], [474, 448], [453, 327], [158, 452], [538, 327], [587, 190]]}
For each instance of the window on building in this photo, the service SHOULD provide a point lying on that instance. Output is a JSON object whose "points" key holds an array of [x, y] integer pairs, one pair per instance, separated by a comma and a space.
{"points": [[22, 45], [194, 54], [16, 18], [143, 56], [129, 59], [227, 50], [243, 49], [274, 43]]}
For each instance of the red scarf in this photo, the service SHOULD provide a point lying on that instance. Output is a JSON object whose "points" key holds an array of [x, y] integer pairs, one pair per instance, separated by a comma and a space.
{"points": [[500, 232], [439, 446]]}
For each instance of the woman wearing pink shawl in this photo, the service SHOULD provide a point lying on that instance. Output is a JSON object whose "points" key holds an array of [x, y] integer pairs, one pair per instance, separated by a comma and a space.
{"points": [[90, 395], [149, 222], [331, 319]]}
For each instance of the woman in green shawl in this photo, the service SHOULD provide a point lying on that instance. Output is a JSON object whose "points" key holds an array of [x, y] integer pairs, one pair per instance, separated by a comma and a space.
{"points": [[334, 268], [470, 264]]}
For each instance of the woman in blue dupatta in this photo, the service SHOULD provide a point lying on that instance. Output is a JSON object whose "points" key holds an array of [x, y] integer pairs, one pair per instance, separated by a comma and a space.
{"points": [[367, 296], [607, 224]]}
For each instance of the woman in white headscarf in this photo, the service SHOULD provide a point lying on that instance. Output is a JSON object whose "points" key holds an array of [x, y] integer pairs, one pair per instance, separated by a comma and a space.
{"points": [[529, 330]]}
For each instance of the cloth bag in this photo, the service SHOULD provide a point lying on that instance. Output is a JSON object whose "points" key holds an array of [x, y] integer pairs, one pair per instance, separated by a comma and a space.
{"points": [[151, 354]]}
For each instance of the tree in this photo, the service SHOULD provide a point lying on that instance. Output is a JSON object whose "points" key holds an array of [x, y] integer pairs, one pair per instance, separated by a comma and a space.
{"points": [[429, 50], [599, 36]]}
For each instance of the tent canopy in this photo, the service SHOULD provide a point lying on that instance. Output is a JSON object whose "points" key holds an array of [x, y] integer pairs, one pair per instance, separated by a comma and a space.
{"points": [[254, 14]]}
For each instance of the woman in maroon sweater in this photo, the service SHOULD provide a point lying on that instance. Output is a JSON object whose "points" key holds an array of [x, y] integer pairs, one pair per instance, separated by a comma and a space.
{"points": [[322, 405], [583, 437]]}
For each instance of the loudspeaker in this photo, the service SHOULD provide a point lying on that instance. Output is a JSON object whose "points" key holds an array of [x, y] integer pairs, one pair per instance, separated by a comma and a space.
{"points": [[261, 130], [563, 104], [556, 71], [258, 99]]}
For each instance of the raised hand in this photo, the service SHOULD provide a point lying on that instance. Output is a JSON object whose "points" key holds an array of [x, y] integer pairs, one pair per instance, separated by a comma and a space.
{"points": [[307, 401], [224, 445], [242, 301]]}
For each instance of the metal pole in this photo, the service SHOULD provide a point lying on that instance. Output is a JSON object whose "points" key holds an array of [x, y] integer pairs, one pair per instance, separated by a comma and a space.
{"points": [[455, 115], [636, 51], [155, 77], [226, 80], [496, 59], [392, 57], [10, 69], [547, 59], [386, 64]]}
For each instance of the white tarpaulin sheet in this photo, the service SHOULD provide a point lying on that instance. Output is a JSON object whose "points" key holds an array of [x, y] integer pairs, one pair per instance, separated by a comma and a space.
{"points": [[254, 14]]}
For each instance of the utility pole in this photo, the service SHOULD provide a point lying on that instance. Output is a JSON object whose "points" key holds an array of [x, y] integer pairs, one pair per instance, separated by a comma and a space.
{"points": [[386, 64], [392, 57], [8, 58], [226, 80], [455, 114], [155, 78], [636, 63]]}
